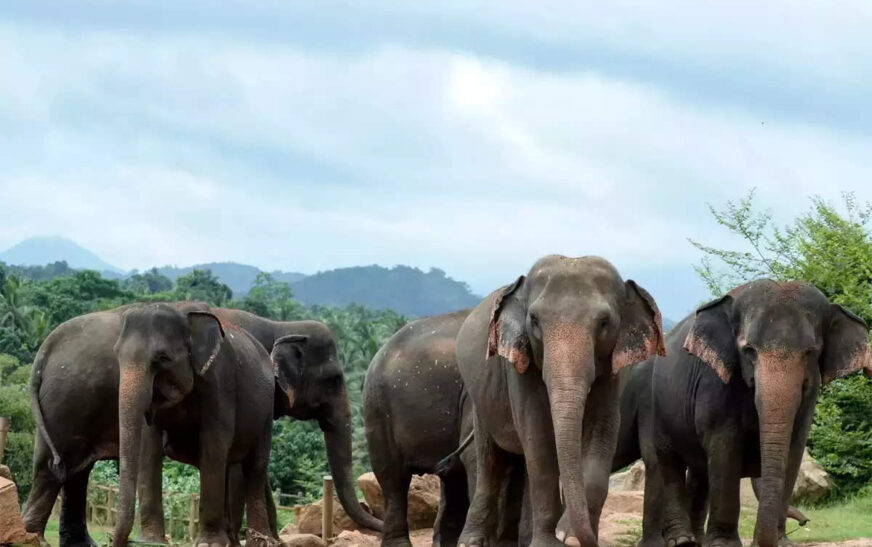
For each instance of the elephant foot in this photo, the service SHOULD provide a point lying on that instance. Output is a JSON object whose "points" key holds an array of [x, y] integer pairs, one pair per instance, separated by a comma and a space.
{"points": [[399, 542], [219, 539], [153, 538], [566, 538], [473, 539], [86, 541], [651, 542], [682, 540], [725, 542]]}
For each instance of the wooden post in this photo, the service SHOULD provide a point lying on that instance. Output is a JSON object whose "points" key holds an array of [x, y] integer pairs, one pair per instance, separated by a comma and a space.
{"points": [[110, 506], [192, 517], [327, 509], [4, 428]]}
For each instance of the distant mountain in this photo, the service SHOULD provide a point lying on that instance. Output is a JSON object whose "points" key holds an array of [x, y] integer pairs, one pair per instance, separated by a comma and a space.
{"points": [[406, 290], [37, 251], [667, 323], [239, 277]]}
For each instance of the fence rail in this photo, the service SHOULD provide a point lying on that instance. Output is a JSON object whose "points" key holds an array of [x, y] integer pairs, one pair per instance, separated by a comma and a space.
{"points": [[181, 509]]}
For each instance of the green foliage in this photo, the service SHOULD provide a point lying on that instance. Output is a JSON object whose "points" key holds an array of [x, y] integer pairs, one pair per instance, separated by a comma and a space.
{"points": [[202, 285], [271, 298], [148, 282], [15, 405], [297, 459], [833, 251]]}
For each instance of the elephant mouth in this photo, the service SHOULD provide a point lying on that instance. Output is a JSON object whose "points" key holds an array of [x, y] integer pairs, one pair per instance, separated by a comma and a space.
{"points": [[166, 396]]}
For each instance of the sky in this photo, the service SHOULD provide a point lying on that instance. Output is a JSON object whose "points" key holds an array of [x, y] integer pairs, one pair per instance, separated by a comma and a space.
{"points": [[474, 137]]}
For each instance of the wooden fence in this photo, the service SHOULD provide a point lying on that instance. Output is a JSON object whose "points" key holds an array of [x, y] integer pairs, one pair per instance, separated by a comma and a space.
{"points": [[181, 509]]}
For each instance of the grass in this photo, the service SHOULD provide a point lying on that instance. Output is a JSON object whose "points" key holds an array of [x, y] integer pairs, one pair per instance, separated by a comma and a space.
{"points": [[99, 533], [850, 519]]}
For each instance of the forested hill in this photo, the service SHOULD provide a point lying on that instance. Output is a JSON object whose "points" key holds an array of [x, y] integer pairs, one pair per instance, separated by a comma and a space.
{"points": [[408, 291], [239, 277]]}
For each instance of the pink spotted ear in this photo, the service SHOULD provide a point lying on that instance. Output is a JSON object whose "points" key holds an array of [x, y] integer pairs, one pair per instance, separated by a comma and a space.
{"points": [[507, 336], [641, 333], [846, 346], [711, 338]]}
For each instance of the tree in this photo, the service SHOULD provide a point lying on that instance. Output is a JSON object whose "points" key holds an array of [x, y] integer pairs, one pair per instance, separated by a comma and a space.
{"points": [[202, 285], [833, 251], [271, 298], [148, 282]]}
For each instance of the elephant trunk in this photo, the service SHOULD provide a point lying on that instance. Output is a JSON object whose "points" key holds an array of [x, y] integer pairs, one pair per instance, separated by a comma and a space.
{"points": [[777, 397], [337, 438], [568, 377], [134, 398]]}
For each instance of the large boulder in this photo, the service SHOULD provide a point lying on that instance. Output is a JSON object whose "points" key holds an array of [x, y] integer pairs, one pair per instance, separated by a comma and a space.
{"points": [[631, 480], [5, 473], [11, 526], [355, 538], [813, 482], [301, 540], [308, 518], [423, 498]]}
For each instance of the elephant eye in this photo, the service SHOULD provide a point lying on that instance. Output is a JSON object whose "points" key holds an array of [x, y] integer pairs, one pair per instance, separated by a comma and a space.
{"points": [[161, 358], [534, 325]]}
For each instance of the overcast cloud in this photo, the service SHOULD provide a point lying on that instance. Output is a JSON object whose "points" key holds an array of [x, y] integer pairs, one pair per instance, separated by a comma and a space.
{"points": [[471, 138]]}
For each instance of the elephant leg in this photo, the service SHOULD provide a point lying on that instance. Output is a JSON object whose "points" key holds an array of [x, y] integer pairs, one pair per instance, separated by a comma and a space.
{"points": [[652, 505], [511, 503], [73, 528], [724, 473], [677, 530], [600, 436], [255, 471], [271, 510], [480, 526], [525, 525], [453, 504], [214, 448], [151, 516], [235, 509], [698, 493], [43, 493], [395, 487]]}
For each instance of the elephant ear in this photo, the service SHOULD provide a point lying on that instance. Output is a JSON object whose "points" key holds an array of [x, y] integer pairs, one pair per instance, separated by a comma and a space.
{"points": [[641, 333], [846, 345], [288, 357], [507, 334], [207, 336], [711, 337]]}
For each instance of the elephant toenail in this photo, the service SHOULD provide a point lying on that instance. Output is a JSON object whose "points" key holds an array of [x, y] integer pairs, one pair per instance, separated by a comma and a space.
{"points": [[572, 541], [561, 535], [670, 543]]}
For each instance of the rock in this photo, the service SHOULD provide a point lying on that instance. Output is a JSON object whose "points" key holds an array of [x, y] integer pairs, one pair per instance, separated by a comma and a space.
{"points": [[813, 483], [355, 538], [289, 529], [11, 526], [5, 473], [423, 498], [308, 518], [301, 540], [633, 479], [624, 502]]}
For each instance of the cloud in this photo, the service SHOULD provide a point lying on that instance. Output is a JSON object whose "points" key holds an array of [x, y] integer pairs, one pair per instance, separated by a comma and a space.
{"points": [[202, 140]]}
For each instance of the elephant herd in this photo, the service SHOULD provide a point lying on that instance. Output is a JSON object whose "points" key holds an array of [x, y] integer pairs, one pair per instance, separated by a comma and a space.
{"points": [[523, 406]]}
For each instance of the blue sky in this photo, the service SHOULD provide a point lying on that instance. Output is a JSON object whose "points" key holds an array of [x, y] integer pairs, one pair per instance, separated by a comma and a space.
{"points": [[473, 137]]}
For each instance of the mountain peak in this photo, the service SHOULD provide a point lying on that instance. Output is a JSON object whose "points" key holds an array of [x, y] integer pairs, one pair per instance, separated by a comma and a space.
{"points": [[36, 251]]}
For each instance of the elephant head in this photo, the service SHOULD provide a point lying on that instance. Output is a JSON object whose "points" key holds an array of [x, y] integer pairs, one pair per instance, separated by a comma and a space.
{"points": [[572, 321], [160, 350], [310, 385], [781, 340]]}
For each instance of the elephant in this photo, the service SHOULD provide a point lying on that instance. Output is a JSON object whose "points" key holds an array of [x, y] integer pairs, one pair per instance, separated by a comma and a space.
{"points": [[415, 411], [733, 397], [98, 379], [310, 385], [539, 359]]}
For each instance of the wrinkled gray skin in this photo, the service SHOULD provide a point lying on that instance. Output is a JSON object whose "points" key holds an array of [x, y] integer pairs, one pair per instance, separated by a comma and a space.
{"points": [[416, 413], [538, 359], [208, 386], [310, 385], [734, 397]]}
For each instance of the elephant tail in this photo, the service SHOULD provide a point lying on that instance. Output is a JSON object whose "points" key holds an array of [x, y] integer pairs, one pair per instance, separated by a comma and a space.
{"points": [[56, 466], [449, 462]]}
